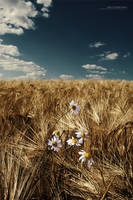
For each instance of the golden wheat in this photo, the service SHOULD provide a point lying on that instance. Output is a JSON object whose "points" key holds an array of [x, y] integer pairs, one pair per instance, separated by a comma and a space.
{"points": [[29, 113]]}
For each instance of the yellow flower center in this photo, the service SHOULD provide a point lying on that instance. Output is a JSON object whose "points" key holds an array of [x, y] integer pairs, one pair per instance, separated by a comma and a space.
{"points": [[73, 107], [74, 141], [87, 155], [57, 132], [54, 144], [82, 135]]}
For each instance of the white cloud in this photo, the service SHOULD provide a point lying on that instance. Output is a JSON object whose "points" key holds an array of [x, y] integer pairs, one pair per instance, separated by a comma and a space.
{"points": [[9, 50], [93, 66], [1, 75], [66, 77], [114, 8], [104, 54], [111, 56], [95, 72], [10, 63], [46, 4], [98, 72], [126, 55], [96, 45], [108, 56], [94, 76], [7, 28], [17, 15], [36, 75], [104, 72]]}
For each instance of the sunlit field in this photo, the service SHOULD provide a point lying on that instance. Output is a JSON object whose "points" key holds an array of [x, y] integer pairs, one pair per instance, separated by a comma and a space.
{"points": [[51, 151]]}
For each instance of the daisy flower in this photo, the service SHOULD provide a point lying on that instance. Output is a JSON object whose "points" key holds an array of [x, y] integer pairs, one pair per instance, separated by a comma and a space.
{"points": [[73, 141], [74, 107], [90, 162], [81, 134], [56, 133], [55, 143], [86, 157]]}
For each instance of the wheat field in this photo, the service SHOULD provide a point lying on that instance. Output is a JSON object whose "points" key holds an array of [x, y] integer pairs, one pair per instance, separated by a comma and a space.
{"points": [[29, 113]]}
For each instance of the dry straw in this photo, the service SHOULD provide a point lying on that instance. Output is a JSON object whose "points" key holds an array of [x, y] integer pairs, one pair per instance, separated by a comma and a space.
{"points": [[30, 111]]}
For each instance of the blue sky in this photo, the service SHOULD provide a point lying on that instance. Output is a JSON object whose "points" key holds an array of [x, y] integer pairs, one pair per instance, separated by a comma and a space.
{"points": [[66, 39]]}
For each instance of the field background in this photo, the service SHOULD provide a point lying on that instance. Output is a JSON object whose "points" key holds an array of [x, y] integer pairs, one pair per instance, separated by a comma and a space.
{"points": [[31, 110]]}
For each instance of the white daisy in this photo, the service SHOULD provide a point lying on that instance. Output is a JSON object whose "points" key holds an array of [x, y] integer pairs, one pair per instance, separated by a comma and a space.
{"points": [[81, 134], [56, 133], [73, 141], [90, 162], [74, 107], [86, 157], [55, 143]]}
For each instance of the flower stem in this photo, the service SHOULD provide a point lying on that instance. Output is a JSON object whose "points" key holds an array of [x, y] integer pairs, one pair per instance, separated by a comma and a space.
{"points": [[61, 117]]}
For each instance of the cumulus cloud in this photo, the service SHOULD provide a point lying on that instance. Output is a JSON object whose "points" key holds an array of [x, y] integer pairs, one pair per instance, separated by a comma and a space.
{"points": [[93, 66], [98, 72], [17, 15], [96, 45], [9, 62], [1, 41], [108, 56], [111, 56], [95, 72], [46, 4], [9, 50], [1, 75], [94, 77], [35, 75], [66, 77]]}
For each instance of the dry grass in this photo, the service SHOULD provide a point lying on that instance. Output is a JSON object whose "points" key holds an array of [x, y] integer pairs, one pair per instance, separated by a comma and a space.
{"points": [[30, 112]]}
